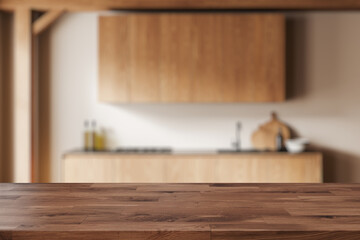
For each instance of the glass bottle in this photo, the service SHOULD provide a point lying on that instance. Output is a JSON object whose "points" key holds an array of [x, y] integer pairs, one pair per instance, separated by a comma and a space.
{"points": [[88, 137], [279, 141], [98, 137]]}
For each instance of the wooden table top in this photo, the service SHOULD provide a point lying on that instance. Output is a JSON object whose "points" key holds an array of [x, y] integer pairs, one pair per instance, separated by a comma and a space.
{"points": [[179, 211]]}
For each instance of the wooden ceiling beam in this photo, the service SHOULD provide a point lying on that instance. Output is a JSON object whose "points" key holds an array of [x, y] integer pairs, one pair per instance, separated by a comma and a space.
{"points": [[88, 5], [46, 20]]}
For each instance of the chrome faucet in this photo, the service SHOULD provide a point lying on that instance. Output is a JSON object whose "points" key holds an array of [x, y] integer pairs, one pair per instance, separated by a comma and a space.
{"points": [[237, 143]]}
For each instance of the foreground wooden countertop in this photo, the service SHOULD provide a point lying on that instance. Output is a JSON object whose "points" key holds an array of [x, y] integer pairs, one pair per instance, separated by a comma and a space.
{"points": [[179, 211]]}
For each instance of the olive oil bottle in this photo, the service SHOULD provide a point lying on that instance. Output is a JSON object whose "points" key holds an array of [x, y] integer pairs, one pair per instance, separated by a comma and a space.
{"points": [[98, 137], [100, 140], [88, 137]]}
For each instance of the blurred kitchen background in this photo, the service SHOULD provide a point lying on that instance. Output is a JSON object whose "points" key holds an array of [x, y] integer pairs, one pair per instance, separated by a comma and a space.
{"points": [[322, 82]]}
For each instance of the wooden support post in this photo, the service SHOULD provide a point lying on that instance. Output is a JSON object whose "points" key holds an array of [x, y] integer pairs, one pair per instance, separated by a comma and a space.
{"points": [[44, 100], [41, 144], [22, 95], [40, 157], [6, 70], [34, 110], [46, 20], [1, 101]]}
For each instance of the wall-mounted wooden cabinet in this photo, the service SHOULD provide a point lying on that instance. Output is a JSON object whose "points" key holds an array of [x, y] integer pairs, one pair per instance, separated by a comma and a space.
{"points": [[192, 57]]}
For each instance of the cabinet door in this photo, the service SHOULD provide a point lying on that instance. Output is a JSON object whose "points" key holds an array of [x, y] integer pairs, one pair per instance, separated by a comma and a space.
{"points": [[269, 59], [242, 58], [192, 58], [177, 57], [114, 71]]}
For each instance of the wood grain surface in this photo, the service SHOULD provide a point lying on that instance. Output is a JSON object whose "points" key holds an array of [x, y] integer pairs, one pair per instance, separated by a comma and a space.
{"points": [[179, 211], [264, 138], [184, 57], [6, 95], [22, 95], [85, 5], [45, 21], [193, 168], [2, 125]]}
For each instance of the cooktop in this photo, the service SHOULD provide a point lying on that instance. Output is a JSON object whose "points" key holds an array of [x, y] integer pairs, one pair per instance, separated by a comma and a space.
{"points": [[143, 150]]}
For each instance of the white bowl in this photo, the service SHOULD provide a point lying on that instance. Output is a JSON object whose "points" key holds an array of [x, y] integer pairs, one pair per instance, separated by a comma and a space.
{"points": [[296, 145]]}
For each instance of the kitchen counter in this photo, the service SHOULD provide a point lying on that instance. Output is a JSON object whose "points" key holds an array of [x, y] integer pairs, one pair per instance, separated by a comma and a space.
{"points": [[192, 167], [179, 211], [181, 152]]}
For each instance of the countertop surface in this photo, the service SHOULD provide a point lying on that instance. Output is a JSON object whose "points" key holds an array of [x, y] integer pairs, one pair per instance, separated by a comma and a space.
{"points": [[184, 152], [179, 211]]}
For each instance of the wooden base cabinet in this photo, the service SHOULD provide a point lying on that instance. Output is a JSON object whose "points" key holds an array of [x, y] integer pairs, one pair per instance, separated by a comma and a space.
{"points": [[212, 168]]}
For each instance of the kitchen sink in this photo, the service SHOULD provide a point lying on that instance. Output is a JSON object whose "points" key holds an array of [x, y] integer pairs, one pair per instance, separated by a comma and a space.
{"points": [[239, 151]]}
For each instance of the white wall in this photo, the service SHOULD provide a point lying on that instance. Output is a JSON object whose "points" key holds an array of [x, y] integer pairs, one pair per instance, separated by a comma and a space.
{"points": [[324, 78]]}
